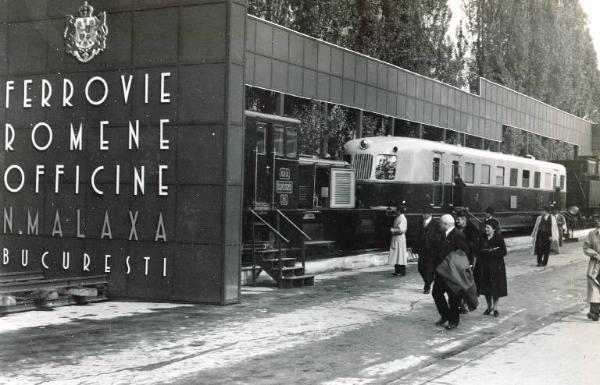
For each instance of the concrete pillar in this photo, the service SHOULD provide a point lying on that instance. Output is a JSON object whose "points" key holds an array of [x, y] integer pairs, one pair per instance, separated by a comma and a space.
{"points": [[359, 123], [280, 104]]}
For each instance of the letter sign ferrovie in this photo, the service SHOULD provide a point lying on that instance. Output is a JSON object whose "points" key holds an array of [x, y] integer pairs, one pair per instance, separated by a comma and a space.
{"points": [[85, 36]]}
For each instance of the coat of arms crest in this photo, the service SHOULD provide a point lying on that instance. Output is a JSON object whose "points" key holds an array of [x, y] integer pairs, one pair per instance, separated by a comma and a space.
{"points": [[86, 35]]}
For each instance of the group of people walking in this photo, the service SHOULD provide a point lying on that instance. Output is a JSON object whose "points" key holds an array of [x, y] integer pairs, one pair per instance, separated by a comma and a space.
{"points": [[483, 254], [439, 239]]}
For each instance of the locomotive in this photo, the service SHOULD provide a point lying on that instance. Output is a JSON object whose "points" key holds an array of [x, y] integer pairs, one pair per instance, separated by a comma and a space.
{"points": [[348, 204], [583, 183]]}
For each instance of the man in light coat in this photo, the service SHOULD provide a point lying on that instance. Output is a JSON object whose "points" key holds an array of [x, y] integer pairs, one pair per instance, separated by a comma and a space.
{"points": [[545, 235], [591, 248]]}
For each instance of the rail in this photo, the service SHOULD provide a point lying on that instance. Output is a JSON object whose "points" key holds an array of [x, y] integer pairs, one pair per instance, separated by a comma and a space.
{"points": [[302, 239], [471, 216], [280, 237], [269, 226]]}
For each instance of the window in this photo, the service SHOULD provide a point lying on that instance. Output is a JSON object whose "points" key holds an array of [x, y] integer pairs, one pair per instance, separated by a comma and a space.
{"points": [[555, 181], [591, 167], [469, 172], [261, 139], [525, 178], [547, 180], [499, 176], [278, 140], [436, 170], [454, 169], [537, 176], [562, 182], [514, 176], [386, 167], [291, 142], [485, 173]]}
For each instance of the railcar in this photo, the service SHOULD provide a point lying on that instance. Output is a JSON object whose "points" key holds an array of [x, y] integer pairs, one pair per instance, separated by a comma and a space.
{"points": [[422, 173]]}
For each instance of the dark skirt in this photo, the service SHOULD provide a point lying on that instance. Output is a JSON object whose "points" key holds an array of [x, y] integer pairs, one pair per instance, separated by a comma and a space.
{"points": [[490, 275]]}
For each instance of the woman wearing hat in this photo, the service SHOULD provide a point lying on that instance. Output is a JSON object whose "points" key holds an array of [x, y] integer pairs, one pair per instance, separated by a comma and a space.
{"points": [[490, 270], [489, 218], [398, 255]]}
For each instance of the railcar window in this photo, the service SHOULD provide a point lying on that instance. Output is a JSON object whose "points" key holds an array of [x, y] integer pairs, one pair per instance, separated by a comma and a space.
{"points": [[436, 170], [562, 182], [469, 172], [525, 178], [291, 142], [485, 173], [499, 176], [278, 141], [537, 176], [386, 167], [261, 139], [514, 176]]}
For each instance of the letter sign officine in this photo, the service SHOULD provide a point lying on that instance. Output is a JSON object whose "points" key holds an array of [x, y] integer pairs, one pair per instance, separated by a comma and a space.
{"points": [[85, 35]]}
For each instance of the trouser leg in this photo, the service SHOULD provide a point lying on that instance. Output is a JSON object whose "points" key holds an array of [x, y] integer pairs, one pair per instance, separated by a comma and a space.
{"points": [[546, 254], [454, 302], [595, 308], [438, 294]]}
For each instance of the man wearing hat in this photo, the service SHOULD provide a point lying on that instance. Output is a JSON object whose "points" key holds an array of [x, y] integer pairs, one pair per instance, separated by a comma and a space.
{"points": [[544, 232], [426, 247]]}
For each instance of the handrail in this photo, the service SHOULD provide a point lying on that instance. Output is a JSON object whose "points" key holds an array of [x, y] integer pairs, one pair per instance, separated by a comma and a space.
{"points": [[471, 215], [269, 226], [293, 224]]}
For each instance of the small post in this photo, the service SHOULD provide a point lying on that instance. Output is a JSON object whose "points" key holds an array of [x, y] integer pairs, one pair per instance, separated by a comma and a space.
{"points": [[253, 254], [278, 224]]}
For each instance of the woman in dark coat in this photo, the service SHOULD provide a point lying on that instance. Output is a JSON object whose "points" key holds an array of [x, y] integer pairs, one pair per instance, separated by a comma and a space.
{"points": [[490, 271]]}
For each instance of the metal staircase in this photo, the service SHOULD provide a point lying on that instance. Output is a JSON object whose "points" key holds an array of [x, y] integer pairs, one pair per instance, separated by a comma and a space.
{"points": [[279, 262]]}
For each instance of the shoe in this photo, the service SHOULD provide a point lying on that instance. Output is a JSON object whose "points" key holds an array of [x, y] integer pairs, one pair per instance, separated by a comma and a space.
{"points": [[496, 314], [463, 310], [487, 312], [451, 326], [403, 270], [593, 316], [441, 322]]}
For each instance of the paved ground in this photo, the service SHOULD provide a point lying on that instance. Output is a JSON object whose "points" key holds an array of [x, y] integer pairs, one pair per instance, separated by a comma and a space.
{"points": [[355, 327]]}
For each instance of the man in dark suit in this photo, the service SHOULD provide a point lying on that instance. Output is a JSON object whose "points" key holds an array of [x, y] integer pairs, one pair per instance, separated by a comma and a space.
{"points": [[426, 248], [452, 240]]}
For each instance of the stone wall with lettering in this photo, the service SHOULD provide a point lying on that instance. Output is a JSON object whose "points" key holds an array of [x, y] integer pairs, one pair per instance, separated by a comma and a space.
{"points": [[129, 164]]}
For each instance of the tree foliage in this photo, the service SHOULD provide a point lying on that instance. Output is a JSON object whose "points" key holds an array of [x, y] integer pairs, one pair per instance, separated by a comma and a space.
{"points": [[539, 47], [410, 34]]}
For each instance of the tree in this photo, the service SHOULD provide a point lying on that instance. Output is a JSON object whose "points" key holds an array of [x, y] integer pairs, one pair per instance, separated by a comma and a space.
{"points": [[539, 47]]}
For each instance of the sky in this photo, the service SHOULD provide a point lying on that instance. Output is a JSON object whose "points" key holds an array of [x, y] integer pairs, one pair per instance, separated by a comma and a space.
{"points": [[591, 7]]}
